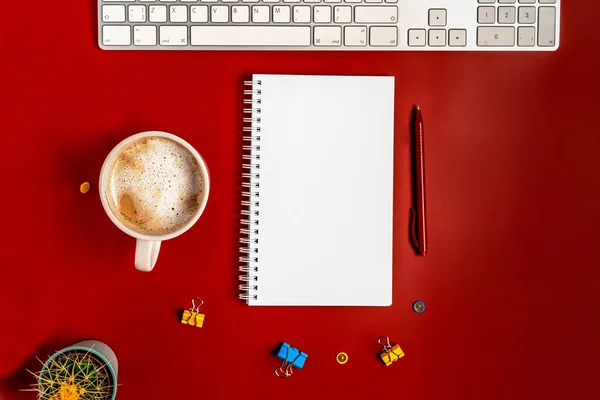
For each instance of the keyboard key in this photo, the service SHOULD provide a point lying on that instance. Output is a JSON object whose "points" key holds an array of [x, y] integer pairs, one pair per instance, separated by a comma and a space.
{"points": [[250, 1], [546, 26], [173, 35], [209, 1], [250, 36], [240, 14], [355, 36], [186, 1], [373, 1], [383, 36], [137, 13], [281, 14], [219, 14], [113, 13], [333, 1], [527, 15], [487, 1], [437, 37], [301, 14], [260, 14], [269, 1], [312, 1], [157, 13], [199, 13], [328, 35], [496, 36], [506, 15], [547, 1], [527, 1], [526, 36], [178, 13], [116, 35], [417, 37], [342, 14], [291, 1], [144, 35], [231, 1], [376, 14], [437, 17], [486, 15], [457, 37], [506, 1], [322, 14]]}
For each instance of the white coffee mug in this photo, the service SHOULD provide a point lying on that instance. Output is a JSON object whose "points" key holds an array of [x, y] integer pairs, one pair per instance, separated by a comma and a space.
{"points": [[148, 246]]}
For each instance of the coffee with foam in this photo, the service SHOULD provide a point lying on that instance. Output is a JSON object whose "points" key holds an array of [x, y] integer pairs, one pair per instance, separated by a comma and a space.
{"points": [[155, 186]]}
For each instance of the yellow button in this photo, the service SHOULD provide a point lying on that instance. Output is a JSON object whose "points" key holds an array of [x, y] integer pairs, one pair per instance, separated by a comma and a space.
{"points": [[342, 358], [84, 187]]}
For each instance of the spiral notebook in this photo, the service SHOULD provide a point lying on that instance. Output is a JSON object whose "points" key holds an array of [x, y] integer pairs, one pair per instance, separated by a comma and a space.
{"points": [[318, 183]]}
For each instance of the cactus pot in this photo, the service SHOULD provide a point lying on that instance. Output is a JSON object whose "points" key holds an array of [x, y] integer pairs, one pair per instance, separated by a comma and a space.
{"points": [[85, 371]]}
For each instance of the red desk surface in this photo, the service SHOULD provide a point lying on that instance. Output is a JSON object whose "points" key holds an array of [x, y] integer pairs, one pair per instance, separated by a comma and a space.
{"points": [[511, 280]]}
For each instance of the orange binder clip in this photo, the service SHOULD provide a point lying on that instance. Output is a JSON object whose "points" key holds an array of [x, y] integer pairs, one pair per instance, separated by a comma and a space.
{"points": [[390, 353], [192, 316]]}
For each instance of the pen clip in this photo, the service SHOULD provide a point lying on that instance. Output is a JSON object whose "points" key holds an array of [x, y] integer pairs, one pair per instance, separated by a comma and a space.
{"points": [[413, 230]]}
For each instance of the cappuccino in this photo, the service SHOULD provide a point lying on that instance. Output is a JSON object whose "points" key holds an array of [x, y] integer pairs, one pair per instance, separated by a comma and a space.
{"points": [[155, 186]]}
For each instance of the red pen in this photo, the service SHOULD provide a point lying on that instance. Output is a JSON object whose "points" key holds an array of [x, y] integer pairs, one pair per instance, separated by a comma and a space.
{"points": [[418, 218]]}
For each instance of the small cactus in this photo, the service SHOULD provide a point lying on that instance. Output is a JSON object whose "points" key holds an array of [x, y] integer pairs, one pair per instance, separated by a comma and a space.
{"points": [[75, 375]]}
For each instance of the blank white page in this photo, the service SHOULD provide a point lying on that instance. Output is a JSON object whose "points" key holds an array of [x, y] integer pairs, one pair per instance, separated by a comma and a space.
{"points": [[326, 188]]}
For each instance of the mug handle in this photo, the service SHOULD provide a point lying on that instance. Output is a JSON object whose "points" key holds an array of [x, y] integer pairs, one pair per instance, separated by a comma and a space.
{"points": [[146, 253]]}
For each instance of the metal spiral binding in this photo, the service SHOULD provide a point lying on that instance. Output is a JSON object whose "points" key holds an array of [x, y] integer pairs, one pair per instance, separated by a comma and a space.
{"points": [[249, 253]]}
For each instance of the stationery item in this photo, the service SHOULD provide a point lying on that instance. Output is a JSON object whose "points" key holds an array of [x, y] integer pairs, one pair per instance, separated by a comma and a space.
{"points": [[418, 216], [153, 186], [192, 316], [290, 357], [318, 191], [418, 307], [390, 353], [341, 358], [84, 187]]}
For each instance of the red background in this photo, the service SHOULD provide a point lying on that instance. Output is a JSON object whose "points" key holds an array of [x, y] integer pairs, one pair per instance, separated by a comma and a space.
{"points": [[510, 282]]}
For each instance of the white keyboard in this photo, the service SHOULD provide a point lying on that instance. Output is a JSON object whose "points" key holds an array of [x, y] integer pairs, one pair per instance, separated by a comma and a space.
{"points": [[506, 25]]}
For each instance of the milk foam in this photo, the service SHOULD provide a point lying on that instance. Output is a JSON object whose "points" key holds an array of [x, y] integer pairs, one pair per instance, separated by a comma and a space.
{"points": [[155, 185]]}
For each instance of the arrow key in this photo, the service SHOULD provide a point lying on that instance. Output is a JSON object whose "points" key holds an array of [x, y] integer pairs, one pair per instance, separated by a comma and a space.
{"points": [[437, 17], [457, 37], [437, 37], [416, 37]]}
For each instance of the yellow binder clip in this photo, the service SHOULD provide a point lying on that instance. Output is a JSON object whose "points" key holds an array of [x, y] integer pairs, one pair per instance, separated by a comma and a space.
{"points": [[192, 316], [390, 353]]}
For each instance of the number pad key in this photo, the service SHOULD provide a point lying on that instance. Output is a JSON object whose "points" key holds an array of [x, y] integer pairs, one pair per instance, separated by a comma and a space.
{"points": [[526, 36], [527, 15], [496, 36], [506, 15], [486, 15]]}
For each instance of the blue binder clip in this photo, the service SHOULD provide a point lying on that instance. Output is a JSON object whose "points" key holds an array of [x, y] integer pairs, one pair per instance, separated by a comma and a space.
{"points": [[290, 357]]}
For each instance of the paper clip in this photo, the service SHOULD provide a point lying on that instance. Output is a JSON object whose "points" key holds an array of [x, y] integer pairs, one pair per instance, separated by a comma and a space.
{"points": [[290, 357], [390, 353], [192, 316]]}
